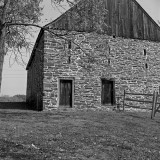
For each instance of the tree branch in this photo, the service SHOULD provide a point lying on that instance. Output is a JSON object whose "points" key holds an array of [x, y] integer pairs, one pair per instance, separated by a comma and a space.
{"points": [[44, 28], [52, 32]]}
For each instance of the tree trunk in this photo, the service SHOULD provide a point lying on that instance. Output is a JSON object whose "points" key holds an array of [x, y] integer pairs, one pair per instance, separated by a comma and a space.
{"points": [[2, 53], [2, 35], [1, 68]]}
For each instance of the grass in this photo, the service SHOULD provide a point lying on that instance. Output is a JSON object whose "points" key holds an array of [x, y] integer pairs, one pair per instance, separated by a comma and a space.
{"points": [[78, 135]]}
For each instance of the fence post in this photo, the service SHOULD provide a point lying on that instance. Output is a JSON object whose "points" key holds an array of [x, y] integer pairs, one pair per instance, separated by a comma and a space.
{"points": [[153, 104], [156, 104], [158, 95], [123, 100]]}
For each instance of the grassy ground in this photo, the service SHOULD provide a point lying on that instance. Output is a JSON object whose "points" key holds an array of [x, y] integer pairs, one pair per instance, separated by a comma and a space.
{"points": [[78, 135]]}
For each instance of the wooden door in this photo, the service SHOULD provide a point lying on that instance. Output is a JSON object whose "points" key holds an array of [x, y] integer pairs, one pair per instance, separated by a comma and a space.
{"points": [[107, 92], [65, 93]]}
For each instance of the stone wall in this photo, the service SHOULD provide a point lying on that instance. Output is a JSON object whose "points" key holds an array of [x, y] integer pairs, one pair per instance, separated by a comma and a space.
{"points": [[35, 77], [133, 64]]}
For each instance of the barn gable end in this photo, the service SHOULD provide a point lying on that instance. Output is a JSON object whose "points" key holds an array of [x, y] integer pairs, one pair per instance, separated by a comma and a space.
{"points": [[122, 18], [111, 46]]}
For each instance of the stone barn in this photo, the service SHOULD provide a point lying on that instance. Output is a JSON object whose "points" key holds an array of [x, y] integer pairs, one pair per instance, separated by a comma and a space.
{"points": [[89, 55]]}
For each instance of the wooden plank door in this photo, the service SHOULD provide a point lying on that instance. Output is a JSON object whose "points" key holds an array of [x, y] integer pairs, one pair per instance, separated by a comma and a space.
{"points": [[66, 93], [107, 92]]}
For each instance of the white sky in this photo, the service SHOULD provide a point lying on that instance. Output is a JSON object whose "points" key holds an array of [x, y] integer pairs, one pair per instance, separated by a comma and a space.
{"points": [[152, 7], [14, 79]]}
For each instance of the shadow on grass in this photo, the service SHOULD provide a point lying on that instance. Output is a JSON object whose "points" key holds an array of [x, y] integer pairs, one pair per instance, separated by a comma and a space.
{"points": [[14, 105], [11, 150]]}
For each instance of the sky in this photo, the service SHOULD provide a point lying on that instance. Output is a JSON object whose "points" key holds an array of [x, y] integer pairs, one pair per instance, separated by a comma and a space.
{"points": [[14, 78], [152, 7]]}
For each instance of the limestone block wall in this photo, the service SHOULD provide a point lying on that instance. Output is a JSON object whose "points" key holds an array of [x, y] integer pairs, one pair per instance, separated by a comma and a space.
{"points": [[133, 64], [35, 78]]}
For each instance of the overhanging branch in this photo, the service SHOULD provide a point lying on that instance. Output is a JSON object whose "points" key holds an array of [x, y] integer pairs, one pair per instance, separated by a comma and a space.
{"points": [[43, 28], [36, 25], [50, 31]]}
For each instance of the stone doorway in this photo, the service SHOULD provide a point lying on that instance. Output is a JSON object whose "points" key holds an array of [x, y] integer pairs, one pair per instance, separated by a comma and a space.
{"points": [[65, 93], [108, 92]]}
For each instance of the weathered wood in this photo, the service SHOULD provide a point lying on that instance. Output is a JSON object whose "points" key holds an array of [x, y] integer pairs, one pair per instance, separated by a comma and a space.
{"points": [[136, 100], [143, 94], [154, 104], [157, 109], [124, 18], [138, 107], [66, 93], [108, 92]]}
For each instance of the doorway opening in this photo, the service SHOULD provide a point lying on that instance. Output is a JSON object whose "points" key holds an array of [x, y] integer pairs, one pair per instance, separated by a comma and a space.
{"points": [[108, 92], [66, 93]]}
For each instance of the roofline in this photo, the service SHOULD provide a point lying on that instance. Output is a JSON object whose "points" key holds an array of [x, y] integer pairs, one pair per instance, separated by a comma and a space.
{"points": [[42, 31], [34, 49], [147, 14], [40, 34], [63, 14]]}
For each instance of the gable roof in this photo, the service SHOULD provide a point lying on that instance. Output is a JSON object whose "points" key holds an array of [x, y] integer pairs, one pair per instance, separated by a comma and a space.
{"points": [[122, 18]]}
